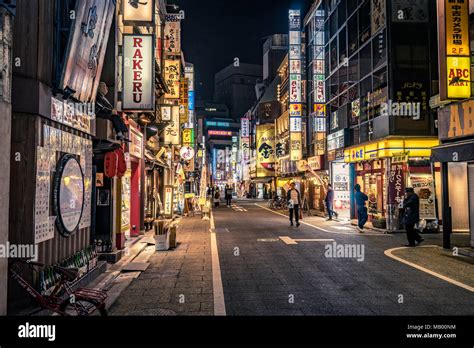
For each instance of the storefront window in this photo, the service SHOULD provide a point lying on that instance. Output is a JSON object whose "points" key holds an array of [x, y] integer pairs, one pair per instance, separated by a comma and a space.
{"points": [[365, 60], [364, 22], [342, 47], [352, 34]]}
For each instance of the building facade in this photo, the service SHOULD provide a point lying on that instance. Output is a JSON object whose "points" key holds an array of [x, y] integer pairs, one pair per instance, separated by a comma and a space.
{"points": [[454, 105], [378, 82]]}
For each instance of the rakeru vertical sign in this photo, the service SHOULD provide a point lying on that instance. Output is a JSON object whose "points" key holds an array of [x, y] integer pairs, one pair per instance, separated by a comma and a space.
{"points": [[138, 73]]}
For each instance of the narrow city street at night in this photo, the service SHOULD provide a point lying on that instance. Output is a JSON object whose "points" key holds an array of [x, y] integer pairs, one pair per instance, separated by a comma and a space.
{"points": [[212, 172], [268, 267]]}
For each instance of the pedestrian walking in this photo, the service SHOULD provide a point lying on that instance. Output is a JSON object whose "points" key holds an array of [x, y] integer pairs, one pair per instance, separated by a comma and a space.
{"points": [[362, 212], [329, 200], [294, 203], [217, 198], [411, 216], [228, 195]]}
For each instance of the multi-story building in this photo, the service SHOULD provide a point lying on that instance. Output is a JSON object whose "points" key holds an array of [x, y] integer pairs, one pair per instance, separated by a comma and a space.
{"points": [[378, 83], [235, 86], [317, 150], [275, 49], [456, 120]]}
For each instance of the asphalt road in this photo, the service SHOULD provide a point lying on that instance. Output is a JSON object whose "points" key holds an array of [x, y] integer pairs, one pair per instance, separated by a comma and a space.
{"points": [[265, 274]]}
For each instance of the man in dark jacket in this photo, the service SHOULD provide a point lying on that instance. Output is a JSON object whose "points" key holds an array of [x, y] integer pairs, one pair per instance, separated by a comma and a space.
{"points": [[293, 198], [411, 216], [362, 213], [228, 195], [329, 200]]}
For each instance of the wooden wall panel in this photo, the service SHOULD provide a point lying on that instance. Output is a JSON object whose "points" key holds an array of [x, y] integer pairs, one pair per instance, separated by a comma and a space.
{"points": [[25, 42]]}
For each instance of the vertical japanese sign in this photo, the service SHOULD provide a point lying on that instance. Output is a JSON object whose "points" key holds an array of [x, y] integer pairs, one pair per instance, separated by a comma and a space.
{"points": [[319, 74], [172, 34], [171, 136], [184, 101], [138, 73], [172, 78], [189, 73], [295, 60], [188, 137], [458, 61], [245, 127], [396, 184], [265, 150], [168, 206]]}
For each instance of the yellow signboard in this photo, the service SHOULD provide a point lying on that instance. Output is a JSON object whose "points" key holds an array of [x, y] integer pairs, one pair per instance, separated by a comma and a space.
{"points": [[296, 146], [459, 77], [417, 147], [265, 150], [188, 136], [457, 28]]}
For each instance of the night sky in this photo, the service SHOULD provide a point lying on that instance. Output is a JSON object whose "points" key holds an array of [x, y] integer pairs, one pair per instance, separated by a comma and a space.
{"points": [[214, 32]]}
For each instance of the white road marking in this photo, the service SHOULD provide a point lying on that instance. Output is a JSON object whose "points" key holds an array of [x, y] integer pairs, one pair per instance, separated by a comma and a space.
{"points": [[343, 228], [218, 289], [389, 253], [327, 231], [291, 241], [288, 241]]}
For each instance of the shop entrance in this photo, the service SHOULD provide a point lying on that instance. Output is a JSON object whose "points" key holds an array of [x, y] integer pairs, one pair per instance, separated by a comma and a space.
{"points": [[371, 180]]}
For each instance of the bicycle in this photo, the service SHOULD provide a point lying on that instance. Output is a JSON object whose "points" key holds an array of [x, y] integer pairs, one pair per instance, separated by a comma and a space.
{"points": [[278, 203], [63, 300]]}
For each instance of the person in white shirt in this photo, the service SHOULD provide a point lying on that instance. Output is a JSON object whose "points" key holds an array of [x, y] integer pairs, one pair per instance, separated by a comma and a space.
{"points": [[294, 202]]}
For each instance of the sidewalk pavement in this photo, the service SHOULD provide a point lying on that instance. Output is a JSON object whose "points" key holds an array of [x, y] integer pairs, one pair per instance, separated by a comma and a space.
{"points": [[439, 262], [177, 282]]}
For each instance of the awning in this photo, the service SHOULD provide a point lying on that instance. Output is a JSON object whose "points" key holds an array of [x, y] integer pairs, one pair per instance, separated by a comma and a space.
{"points": [[453, 152]]}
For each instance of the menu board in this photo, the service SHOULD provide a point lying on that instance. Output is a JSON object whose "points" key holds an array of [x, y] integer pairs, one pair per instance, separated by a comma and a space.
{"points": [[423, 185], [125, 212]]}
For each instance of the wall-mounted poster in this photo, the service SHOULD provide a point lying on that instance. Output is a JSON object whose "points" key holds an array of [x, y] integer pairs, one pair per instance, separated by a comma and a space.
{"points": [[86, 48]]}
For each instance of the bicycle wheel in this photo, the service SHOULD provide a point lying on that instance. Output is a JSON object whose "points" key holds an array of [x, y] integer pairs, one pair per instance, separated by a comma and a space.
{"points": [[83, 308]]}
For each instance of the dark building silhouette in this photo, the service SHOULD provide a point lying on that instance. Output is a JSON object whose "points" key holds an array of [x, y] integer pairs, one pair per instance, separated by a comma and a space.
{"points": [[235, 86]]}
